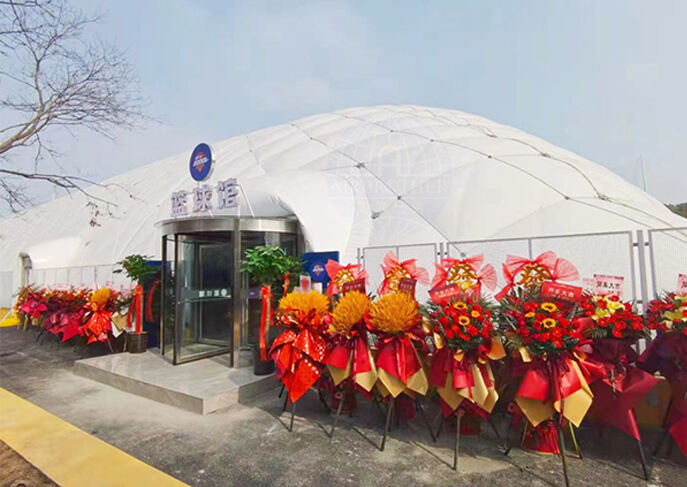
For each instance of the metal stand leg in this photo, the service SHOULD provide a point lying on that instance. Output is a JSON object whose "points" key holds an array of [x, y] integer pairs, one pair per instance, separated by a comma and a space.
{"points": [[661, 440], [496, 432], [281, 391], [40, 333], [645, 469], [286, 401], [293, 413], [419, 408], [389, 413], [509, 445], [441, 425], [456, 445], [336, 418], [561, 447], [665, 432], [574, 440]]}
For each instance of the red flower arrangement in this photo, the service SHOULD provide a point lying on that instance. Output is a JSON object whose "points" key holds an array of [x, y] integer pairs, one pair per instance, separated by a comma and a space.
{"points": [[300, 351], [668, 314], [71, 312], [618, 385], [667, 354], [544, 333], [30, 304], [612, 318], [542, 328], [466, 339]]}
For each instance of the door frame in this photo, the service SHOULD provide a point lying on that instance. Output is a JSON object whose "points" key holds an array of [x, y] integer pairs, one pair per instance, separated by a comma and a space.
{"points": [[171, 229]]}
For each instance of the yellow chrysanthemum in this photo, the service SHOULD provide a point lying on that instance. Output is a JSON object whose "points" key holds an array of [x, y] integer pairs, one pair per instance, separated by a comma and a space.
{"points": [[350, 310], [394, 313], [550, 307], [548, 323], [306, 302], [460, 305], [475, 314], [101, 296]]}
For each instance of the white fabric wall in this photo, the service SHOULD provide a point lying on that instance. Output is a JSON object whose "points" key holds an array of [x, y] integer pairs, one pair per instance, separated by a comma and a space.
{"points": [[359, 177]]}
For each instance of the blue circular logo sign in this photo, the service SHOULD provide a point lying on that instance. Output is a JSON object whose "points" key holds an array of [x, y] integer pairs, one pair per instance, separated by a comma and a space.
{"points": [[201, 162]]}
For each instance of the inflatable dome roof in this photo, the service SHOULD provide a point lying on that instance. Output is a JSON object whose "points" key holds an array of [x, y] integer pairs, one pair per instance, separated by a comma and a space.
{"points": [[357, 177]]}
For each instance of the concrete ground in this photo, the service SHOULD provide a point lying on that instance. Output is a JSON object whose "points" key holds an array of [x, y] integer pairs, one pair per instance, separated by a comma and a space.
{"points": [[248, 445]]}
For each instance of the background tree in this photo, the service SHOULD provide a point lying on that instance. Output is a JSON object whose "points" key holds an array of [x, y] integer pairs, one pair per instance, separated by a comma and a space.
{"points": [[54, 74]]}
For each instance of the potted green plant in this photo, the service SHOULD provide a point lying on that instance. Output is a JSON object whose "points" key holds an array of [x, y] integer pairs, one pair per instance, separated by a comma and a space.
{"points": [[138, 271], [267, 265]]}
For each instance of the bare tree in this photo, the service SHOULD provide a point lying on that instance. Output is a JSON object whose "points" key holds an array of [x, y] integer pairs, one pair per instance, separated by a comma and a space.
{"points": [[53, 74]]}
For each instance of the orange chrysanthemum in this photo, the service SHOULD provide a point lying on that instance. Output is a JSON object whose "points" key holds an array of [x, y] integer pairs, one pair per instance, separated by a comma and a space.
{"points": [[351, 309], [394, 313]]}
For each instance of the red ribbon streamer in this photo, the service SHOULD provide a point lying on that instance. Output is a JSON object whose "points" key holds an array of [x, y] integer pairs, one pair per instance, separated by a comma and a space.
{"points": [[298, 356], [286, 284], [397, 357], [136, 308], [266, 296], [149, 301]]}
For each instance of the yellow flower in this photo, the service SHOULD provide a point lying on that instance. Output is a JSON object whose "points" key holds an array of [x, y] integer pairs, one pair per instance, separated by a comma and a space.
{"points": [[530, 314], [101, 296], [475, 314], [463, 320], [550, 307], [549, 323], [306, 302], [350, 311], [600, 313], [394, 313], [460, 305]]}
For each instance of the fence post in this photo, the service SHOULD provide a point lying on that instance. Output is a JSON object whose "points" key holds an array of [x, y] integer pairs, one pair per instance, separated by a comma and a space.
{"points": [[641, 261], [529, 247]]}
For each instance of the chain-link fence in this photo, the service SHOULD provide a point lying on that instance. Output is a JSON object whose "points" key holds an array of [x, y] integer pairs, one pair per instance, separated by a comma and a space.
{"points": [[668, 258], [637, 257], [82, 276], [373, 257]]}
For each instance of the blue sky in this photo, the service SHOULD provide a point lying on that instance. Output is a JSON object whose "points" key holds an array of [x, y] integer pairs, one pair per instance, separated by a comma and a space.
{"points": [[605, 79]]}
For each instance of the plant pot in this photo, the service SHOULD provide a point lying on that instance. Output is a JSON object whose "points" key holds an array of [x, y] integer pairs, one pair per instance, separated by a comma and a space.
{"points": [[261, 367], [137, 342]]}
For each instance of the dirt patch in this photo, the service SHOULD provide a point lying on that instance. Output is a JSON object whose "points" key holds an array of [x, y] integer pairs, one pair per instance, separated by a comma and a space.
{"points": [[17, 472]]}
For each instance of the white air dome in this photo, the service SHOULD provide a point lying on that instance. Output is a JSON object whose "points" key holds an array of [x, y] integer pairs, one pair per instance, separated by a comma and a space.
{"points": [[362, 177]]}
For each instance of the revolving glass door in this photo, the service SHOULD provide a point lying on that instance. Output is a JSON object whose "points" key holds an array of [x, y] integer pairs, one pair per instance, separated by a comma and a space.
{"points": [[201, 293]]}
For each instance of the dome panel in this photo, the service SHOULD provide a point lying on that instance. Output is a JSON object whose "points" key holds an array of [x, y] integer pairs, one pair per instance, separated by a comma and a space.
{"points": [[342, 174]]}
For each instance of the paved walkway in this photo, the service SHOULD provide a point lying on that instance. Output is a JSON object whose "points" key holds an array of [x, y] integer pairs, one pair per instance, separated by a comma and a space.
{"points": [[69, 456]]}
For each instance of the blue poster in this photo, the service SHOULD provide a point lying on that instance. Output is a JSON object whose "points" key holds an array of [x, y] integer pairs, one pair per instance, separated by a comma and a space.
{"points": [[314, 262]]}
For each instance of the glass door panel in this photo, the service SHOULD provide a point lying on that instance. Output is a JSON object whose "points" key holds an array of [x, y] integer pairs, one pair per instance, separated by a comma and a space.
{"points": [[168, 307], [204, 296]]}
